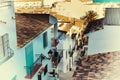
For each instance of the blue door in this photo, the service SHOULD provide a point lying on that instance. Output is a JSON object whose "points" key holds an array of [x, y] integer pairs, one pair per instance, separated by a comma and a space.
{"points": [[29, 58]]}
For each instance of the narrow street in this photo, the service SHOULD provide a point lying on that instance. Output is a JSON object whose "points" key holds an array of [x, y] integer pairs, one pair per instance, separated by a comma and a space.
{"points": [[68, 75]]}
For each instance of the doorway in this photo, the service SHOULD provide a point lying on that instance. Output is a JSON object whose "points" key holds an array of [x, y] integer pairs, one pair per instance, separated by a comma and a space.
{"points": [[29, 58]]}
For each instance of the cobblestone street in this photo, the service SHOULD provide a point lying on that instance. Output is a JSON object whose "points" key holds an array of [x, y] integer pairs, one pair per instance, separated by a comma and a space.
{"points": [[101, 66]]}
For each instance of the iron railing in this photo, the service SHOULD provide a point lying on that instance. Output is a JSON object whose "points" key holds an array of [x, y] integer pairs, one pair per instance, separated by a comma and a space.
{"points": [[34, 67], [38, 61]]}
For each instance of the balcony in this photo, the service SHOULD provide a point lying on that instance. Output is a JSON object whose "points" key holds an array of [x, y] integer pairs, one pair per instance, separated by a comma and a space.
{"points": [[5, 4], [34, 67], [7, 57]]}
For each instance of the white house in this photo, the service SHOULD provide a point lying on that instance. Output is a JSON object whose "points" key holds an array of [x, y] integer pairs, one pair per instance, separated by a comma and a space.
{"points": [[8, 41], [106, 40], [25, 41], [34, 39]]}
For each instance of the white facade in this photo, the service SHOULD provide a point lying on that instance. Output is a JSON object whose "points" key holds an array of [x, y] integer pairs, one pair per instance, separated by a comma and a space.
{"points": [[38, 49], [14, 67], [106, 40], [8, 69], [66, 44]]}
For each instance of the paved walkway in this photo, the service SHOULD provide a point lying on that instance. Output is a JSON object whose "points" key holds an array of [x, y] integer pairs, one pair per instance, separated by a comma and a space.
{"points": [[66, 76], [104, 66], [69, 74]]}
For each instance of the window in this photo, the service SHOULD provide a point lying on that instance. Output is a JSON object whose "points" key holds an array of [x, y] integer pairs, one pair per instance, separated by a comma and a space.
{"points": [[4, 46], [45, 40]]}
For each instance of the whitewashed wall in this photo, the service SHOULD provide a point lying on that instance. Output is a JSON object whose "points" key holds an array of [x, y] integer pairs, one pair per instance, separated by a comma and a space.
{"points": [[105, 40], [15, 65], [38, 49], [8, 69], [108, 39]]}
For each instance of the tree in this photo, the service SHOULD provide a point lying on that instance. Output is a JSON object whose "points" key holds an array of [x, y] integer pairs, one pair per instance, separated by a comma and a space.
{"points": [[89, 16]]}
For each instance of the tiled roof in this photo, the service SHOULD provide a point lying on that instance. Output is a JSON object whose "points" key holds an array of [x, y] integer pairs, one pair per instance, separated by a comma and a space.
{"points": [[29, 26], [94, 26]]}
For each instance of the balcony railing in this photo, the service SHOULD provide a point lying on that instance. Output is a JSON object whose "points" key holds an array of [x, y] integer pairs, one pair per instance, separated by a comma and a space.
{"points": [[34, 67], [5, 4], [8, 56]]}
